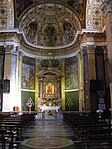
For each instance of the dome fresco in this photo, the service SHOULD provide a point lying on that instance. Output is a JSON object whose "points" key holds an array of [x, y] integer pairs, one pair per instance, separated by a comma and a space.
{"points": [[50, 25]]}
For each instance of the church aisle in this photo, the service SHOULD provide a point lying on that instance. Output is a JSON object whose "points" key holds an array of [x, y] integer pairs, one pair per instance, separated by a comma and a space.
{"points": [[48, 133]]}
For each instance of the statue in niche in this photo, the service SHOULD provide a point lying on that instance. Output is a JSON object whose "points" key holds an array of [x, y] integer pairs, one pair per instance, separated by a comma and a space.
{"points": [[50, 35]]}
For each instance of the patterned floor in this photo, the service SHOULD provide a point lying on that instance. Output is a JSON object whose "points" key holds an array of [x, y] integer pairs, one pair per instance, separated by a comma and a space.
{"points": [[49, 132]]}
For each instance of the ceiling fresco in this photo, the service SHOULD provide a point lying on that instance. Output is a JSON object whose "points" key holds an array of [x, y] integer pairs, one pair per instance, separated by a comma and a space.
{"points": [[77, 5], [50, 25]]}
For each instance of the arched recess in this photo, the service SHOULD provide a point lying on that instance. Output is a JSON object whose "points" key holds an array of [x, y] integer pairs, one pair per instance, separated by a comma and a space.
{"points": [[94, 18], [57, 17]]}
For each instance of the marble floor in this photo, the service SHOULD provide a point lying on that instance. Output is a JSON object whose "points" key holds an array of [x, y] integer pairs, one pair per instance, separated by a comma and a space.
{"points": [[49, 132]]}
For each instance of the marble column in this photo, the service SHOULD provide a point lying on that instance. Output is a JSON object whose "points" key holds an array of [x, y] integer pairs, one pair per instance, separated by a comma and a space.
{"points": [[11, 72]]}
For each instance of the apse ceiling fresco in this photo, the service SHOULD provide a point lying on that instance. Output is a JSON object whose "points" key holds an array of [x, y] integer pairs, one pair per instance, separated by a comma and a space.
{"points": [[77, 5], [49, 24]]}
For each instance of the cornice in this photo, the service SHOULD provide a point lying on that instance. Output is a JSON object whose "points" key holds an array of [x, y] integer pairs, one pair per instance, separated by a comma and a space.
{"points": [[93, 38], [84, 38]]}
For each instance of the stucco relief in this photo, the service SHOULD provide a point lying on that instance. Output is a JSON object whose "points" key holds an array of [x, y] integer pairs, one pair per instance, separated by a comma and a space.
{"points": [[3, 14], [51, 27], [6, 14], [94, 14], [10, 14]]}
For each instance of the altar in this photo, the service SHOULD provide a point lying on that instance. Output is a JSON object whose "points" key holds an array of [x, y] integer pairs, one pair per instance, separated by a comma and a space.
{"points": [[49, 108]]}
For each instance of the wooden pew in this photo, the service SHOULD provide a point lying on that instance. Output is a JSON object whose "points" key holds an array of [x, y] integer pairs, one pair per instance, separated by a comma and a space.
{"points": [[6, 137], [94, 133], [15, 125]]}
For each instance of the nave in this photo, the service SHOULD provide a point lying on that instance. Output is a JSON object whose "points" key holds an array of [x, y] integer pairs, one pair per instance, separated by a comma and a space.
{"points": [[48, 133], [62, 131]]}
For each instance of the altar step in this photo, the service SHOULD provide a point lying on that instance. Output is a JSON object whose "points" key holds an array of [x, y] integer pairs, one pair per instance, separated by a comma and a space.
{"points": [[49, 116]]}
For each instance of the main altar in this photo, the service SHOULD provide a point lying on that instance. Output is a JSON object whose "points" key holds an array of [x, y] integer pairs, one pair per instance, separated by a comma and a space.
{"points": [[50, 105], [45, 108], [49, 97]]}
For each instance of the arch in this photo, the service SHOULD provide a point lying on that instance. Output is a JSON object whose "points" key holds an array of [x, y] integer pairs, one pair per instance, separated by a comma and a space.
{"points": [[54, 21]]}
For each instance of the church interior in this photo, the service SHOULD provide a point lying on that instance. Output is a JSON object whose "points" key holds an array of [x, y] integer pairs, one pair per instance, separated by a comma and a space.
{"points": [[55, 74]]}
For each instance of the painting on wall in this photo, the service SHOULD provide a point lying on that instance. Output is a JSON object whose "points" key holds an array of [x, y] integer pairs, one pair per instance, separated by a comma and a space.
{"points": [[28, 76], [31, 31], [71, 73], [68, 32], [49, 32], [72, 101]]}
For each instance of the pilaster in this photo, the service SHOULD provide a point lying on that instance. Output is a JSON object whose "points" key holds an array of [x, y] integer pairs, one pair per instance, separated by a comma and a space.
{"points": [[107, 10], [80, 81], [20, 58], [36, 86], [11, 72], [63, 84], [89, 73]]}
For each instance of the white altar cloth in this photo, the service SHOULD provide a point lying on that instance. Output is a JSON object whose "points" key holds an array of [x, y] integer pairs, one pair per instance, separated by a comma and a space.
{"points": [[55, 108]]}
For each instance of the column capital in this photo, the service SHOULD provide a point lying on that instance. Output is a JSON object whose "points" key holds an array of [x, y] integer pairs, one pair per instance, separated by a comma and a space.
{"points": [[88, 49], [11, 49]]}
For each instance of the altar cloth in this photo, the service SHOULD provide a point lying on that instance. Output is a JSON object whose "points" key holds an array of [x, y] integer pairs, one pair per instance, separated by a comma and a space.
{"points": [[53, 108]]}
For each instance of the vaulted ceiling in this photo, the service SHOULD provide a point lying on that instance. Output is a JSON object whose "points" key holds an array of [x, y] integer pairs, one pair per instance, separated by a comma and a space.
{"points": [[50, 27]]}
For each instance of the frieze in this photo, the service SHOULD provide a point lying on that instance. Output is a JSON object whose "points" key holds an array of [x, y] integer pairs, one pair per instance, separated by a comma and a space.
{"points": [[59, 51], [9, 36], [93, 37]]}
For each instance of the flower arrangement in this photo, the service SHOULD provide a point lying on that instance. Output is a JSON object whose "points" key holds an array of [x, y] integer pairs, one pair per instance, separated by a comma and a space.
{"points": [[44, 101], [55, 101], [47, 101]]}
